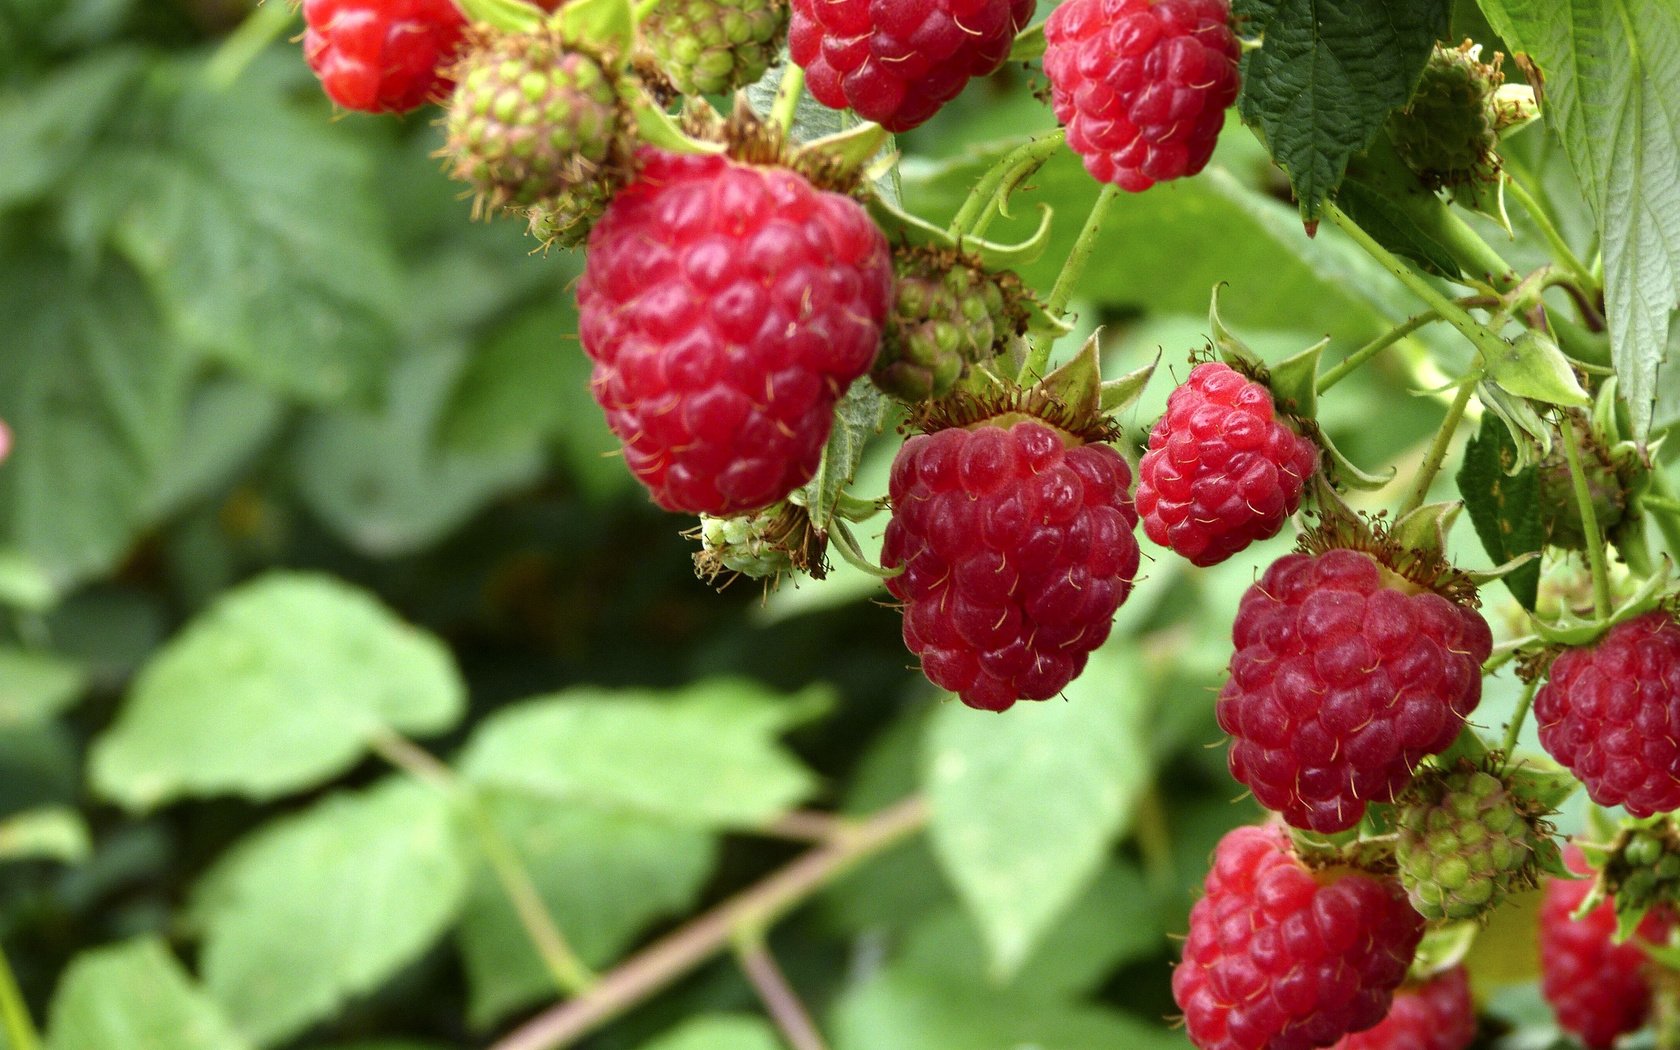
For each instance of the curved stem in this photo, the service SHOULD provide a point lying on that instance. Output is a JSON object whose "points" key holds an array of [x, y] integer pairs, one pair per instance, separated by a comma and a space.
{"points": [[262, 27], [1542, 219], [681, 951], [1012, 167], [1519, 716], [788, 91], [1589, 522], [842, 540], [780, 1001], [1438, 448], [1038, 358], [14, 1012]]}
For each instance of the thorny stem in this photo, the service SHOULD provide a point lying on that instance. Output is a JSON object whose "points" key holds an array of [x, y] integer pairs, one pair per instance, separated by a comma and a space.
{"points": [[1438, 448], [1589, 523], [677, 953], [14, 1013], [788, 91], [568, 972], [781, 1002], [1505, 652], [1375, 347], [1519, 716], [1543, 219], [249, 39], [1011, 168], [1038, 360]]}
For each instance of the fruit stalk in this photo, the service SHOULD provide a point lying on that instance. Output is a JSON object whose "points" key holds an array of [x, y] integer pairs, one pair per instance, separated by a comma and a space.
{"points": [[786, 103], [1589, 524], [1543, 221], [1066, 281], [1438, 448], [1013, 166], [679, 952], [1390, 337], [14, 1014], [262, 27], [1518, 717]]}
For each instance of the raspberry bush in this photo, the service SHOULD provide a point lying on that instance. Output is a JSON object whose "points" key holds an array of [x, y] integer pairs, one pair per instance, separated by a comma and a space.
{"points": [[798, 534]]}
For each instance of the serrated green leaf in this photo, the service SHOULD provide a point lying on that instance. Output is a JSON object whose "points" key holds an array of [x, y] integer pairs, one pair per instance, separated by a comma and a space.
{"points": [[278, 686], [313, 909], [1326, 77], [1610, 69], [1018, 854], [603, 876], [1504, 508], [858, 418], [54, 833], [35, 686], [719, 1032], [135, 996], [704, 756]]}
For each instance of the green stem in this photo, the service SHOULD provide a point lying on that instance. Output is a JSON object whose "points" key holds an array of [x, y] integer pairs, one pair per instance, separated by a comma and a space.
{"points": [[787, 96], [262, 27], [567, 971], [1014, 166], [1373, 348], [14, 1012], [1485, 340], [1589, 523], [1438, 448], [1519, 716], [841, 539], [1560, 248], [1038, 360]]}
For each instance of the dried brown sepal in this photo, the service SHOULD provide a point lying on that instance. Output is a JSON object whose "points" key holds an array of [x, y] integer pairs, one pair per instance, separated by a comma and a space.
{"points": [[1425, 569]]}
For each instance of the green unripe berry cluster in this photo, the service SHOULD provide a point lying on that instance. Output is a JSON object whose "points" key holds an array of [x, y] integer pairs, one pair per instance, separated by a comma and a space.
{"points": [[948, 315], [709, 47], [1465, 843]]}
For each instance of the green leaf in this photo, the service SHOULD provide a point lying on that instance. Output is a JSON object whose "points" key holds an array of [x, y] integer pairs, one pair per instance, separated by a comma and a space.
{"points": [[704, 756], [1385, 198], [1326, 77], [35, 686], [135, 996], [54, 833], [377, 478], [604, 877], [719, 1032], [1611, 67], [50, 128], [1020, 853], [258, 231], [858, 418], [1505, 509], [313, 909], [277, 687]]}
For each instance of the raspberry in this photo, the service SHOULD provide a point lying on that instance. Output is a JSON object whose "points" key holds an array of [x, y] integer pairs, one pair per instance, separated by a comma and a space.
{"points": [[1597, 988], [1435, 1015], [727, 307], [1345, 675], [1142, 86], [1465, 844], [1610, 712], [714, 46], [531, 120], [1282, 957], [897, 63], [1017, 547], [947, 314], [1448, 133], [381, 56], [1221, 471]]}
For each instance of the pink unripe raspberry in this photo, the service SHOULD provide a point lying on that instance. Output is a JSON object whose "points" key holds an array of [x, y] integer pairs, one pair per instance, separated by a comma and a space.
{"points": [[381, 56], [1435, 1015], [1284, 957], [1221, 471], [727, 306], [1142, 85]]}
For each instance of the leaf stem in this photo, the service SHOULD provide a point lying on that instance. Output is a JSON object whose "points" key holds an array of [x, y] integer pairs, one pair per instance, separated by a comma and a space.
{"points": [[1011, 169], [786, 103], [20, 1030], [1519, 716], [1589, 523], [1543, 219], [1438, 448], [262, 27], [685, 948], [781, 1002]]}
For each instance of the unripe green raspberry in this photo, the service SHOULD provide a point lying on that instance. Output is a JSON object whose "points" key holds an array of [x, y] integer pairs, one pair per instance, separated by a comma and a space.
{"points": [[1560, 514], [531, 120], [709, 47], [1449, 132], [1644, 869], [948, 314], [1465, 844]]}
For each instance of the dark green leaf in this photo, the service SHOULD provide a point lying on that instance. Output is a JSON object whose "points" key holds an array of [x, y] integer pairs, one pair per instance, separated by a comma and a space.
{"points": [[1504, 509], [49, 129]]}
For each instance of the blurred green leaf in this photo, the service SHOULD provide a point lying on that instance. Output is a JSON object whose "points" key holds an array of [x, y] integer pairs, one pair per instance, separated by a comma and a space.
{"points": [[278, 686], [378, 478], [313, 909], [50, 127], [604, 876], [1027, 803], [704, 756], [35, 686], [719, 1032], [135, 996], [1610, 70], [227, 422], [55, 833], [1327, 76]]}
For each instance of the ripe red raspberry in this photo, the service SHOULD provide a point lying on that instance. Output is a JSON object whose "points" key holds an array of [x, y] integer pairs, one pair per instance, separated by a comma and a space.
{"points": [[1221, 471], [896, 62], [1142, 85], [1345, 675], [1435, 1015], [1610, 712], [381, 56], [727, 307], [1282, 957], [1597, 988], [1017, 547]]}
